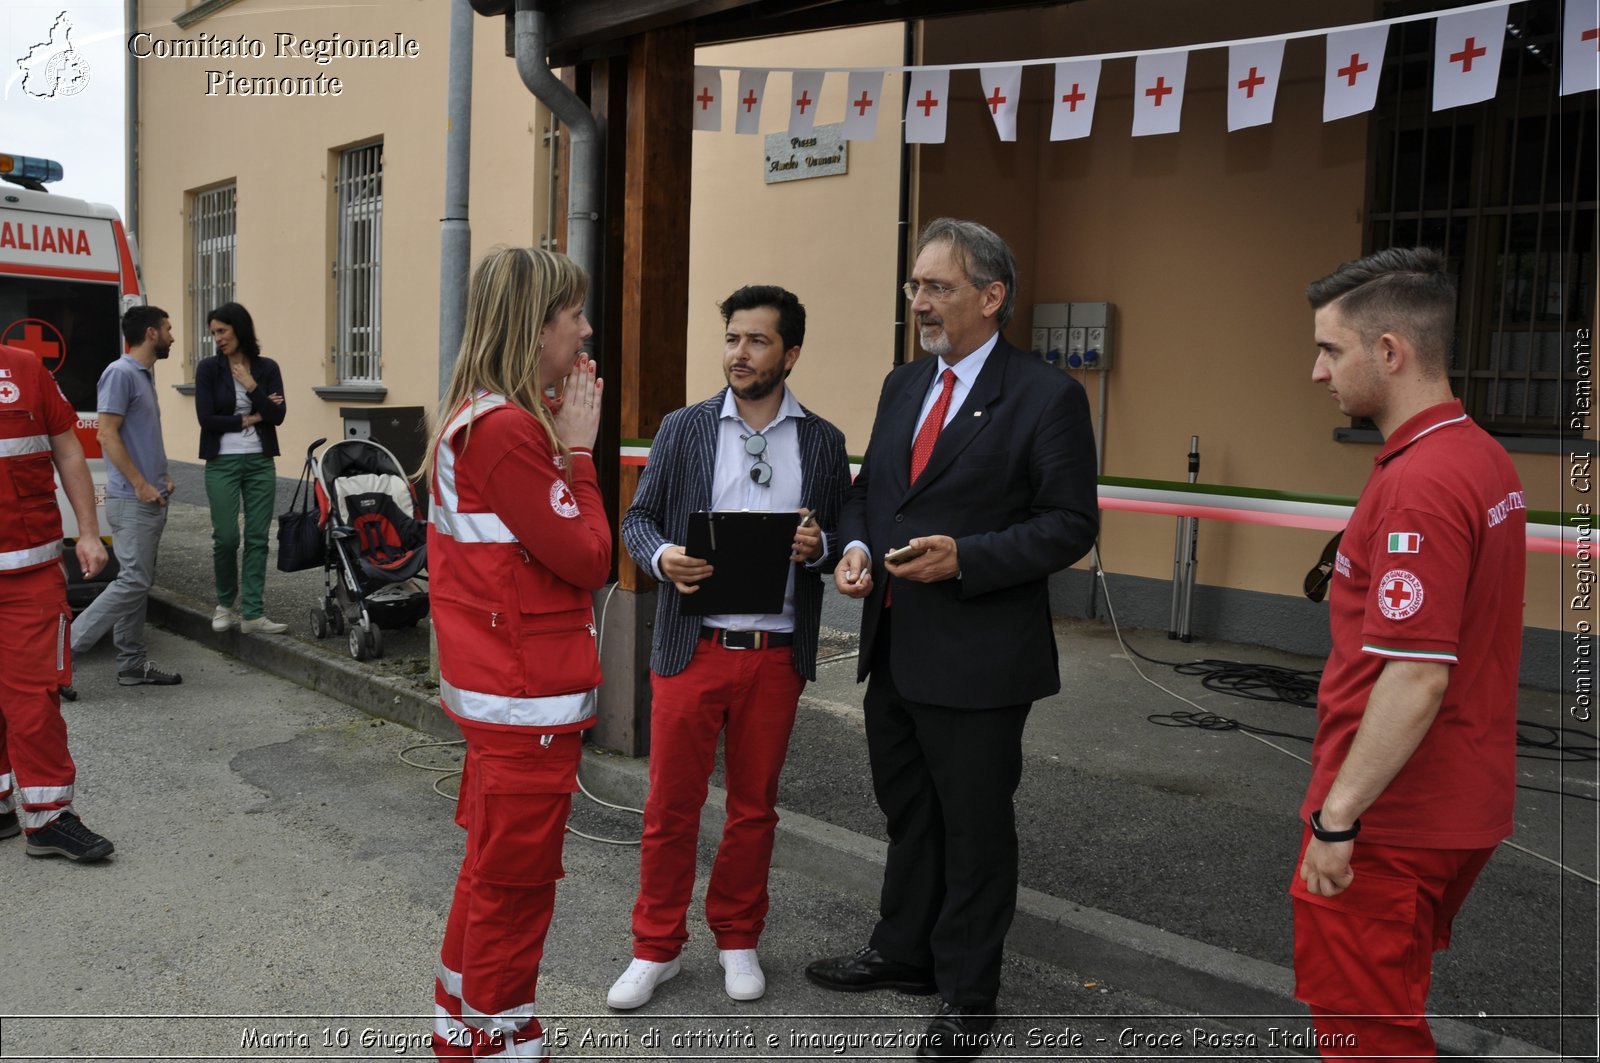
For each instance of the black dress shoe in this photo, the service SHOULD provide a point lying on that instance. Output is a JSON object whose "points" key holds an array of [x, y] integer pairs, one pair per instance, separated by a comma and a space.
{"points": [[958, 1032], [869, 970]]}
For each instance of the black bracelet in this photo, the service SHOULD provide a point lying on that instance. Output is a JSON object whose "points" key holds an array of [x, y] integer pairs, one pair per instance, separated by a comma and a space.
{"points": [[1324, 835]]}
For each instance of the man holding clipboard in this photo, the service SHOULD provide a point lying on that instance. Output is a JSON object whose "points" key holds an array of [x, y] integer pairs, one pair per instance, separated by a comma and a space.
{"points": [[737, 666]]}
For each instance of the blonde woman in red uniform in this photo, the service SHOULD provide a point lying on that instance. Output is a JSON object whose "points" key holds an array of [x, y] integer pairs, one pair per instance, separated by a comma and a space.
{"points": [[518, 540]]}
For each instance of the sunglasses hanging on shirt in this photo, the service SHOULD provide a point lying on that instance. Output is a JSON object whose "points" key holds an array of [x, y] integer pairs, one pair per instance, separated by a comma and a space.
{"points": [[755, 446]]}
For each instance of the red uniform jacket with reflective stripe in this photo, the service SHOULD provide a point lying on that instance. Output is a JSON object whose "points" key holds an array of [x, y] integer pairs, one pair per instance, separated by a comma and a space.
{"points": [[32, 409], [517, 543]]}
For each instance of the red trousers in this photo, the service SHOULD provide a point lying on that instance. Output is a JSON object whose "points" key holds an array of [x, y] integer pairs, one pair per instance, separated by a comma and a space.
{"points": [[36, 770], [751, 696], [1363, 958], [516, 792]]}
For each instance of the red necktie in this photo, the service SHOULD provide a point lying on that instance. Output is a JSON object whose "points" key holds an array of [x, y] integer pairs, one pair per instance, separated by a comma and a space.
{"points": [[922, 449]]}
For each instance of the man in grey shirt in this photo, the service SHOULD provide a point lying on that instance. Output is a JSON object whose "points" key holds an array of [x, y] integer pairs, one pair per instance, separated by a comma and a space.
{"points": [[137, 488]]}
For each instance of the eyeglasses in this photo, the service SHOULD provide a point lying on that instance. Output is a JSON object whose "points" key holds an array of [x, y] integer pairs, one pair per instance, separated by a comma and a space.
{"points": [[937, 292], [755, 446]]}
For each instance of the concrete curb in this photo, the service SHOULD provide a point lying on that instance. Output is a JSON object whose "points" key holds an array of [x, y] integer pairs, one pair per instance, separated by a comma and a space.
{"points": [[1191, 975]]}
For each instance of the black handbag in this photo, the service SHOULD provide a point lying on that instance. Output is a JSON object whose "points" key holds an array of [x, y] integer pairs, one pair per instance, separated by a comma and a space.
{"points": [[300, 542]]}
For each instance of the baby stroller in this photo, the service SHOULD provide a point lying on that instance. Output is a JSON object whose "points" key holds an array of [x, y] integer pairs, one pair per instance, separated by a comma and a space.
{"points": [[376, 546]]}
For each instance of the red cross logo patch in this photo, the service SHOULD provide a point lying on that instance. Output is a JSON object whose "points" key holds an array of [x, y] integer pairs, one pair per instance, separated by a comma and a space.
{"points": [[561, 499], [9, 392], [1399, 594]]}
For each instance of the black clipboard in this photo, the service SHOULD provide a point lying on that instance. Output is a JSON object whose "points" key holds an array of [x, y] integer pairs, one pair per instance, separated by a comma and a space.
{"points": [[750, 552]]}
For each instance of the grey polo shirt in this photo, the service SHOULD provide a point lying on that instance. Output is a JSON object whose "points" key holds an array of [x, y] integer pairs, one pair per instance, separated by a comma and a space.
{"points": [[129, 389]]}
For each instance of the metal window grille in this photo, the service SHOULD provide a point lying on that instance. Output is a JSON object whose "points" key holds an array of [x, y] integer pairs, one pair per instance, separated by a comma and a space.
{"points": [[213, 230], [358, 270], [1507, 190]]}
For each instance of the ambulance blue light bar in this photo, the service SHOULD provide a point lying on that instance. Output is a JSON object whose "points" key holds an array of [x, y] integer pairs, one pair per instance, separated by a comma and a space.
{"points": [[26, 166]]}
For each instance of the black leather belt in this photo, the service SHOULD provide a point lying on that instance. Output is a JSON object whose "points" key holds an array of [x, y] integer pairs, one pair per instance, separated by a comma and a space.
{"points": [[746, 640]]}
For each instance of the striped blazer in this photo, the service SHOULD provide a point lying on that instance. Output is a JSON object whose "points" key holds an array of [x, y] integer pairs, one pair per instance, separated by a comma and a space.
{"points": [[677, 482]]}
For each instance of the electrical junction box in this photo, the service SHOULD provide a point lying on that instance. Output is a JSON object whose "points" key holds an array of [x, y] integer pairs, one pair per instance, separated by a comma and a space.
{"points": [[1050, 332], [1089, 335]]}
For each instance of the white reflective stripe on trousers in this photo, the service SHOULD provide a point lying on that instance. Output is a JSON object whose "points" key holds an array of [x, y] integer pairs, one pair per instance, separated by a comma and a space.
{"points": [[551, 711], [32, 821], [33, 555], [44, 795], [23, 446]]}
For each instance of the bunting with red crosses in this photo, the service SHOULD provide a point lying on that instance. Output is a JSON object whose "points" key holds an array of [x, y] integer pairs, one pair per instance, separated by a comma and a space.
{"points": [[1469, 43]]}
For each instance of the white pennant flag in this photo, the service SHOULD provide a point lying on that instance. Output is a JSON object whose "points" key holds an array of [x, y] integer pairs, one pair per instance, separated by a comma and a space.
{"points": [[1354, 64], [1466, 57], [804, 90], [862, 102], [747, 105], [1002, 91], [928, 106], [1158, 92], [1580, 47], [1253, 82], [1077, 83], [708, 98]]}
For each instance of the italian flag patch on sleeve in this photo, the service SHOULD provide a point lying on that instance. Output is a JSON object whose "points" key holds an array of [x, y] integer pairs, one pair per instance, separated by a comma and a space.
{"points": [[1405, 543]]}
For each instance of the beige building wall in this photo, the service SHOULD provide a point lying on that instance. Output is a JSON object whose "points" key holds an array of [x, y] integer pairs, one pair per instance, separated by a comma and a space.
{"points": [[283, 154], [1205, 241], [833, 241]]}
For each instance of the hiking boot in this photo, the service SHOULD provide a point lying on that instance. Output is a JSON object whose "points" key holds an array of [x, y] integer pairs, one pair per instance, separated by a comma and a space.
{"points": [[67, 836], [9, 827], [147, 672], [262, 626], [222, 618]]}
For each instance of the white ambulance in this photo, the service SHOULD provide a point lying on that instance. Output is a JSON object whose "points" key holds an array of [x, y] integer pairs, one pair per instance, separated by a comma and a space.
{"points": [[67, 274]]}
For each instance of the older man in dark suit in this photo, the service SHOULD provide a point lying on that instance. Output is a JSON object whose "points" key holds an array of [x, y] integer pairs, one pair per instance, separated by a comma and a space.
{"points": [[751, 446], [982, 464]]}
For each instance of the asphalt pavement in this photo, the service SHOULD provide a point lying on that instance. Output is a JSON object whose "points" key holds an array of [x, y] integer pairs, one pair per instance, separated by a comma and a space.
{"points": [[1155, 863]]}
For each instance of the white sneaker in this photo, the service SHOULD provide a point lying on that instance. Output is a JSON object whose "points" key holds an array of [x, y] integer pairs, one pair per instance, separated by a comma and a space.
{"points": [[261, 626], [742, 976], [222, 618], [638, 983]]}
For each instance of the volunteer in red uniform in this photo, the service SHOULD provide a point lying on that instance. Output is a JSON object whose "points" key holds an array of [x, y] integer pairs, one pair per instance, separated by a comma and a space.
{"points": [[518, 540], [36, 770], [1413, 767]]}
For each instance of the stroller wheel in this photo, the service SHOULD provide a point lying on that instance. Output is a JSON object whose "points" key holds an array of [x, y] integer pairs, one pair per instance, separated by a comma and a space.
{"points": [[335, 619], [374, 640], [319, 624], [358, 644]]}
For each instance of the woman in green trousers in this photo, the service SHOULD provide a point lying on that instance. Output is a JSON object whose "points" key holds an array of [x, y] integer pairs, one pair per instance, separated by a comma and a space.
{"points": [[238, 397]]}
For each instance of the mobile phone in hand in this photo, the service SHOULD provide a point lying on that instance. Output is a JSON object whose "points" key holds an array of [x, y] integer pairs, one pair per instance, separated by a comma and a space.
{"points": [[904, 553]]}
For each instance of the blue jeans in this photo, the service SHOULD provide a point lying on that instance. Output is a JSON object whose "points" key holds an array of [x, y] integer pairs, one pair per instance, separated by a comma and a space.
{"points": [[135, 535]]}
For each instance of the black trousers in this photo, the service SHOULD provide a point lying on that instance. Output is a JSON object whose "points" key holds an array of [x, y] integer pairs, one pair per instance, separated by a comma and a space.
{"points": [[945, 779]]}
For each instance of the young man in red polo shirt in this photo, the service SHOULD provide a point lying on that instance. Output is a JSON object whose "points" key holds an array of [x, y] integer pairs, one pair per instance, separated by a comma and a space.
{"points": [[1413, 768]]}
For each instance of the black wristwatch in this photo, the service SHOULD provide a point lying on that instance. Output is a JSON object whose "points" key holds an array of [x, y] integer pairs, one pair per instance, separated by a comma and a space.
{"points": [[1324, 835]]}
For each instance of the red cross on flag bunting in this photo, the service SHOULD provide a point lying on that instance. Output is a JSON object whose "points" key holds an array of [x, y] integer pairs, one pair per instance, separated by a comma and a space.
{"points": [[1466, 57], [1580, 47], [1002, 90], [804, 90], [708, 98], [747, 105], [928, 106], [861, 104], [1076, 86], [1253, 82], [1354, 64], [1158, 92]]}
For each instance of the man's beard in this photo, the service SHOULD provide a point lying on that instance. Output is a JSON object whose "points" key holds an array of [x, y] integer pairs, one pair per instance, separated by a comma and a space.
{"points": [[163, 351], [939, 346], [763, 385]]}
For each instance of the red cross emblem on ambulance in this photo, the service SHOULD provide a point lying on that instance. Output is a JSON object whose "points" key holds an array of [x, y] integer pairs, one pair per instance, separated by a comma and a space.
{"points": [[1399, 594]]}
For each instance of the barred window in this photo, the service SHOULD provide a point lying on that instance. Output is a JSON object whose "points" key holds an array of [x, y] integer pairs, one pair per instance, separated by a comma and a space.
{"points": [[358, 269], [213, 236], [1507, 190]]}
